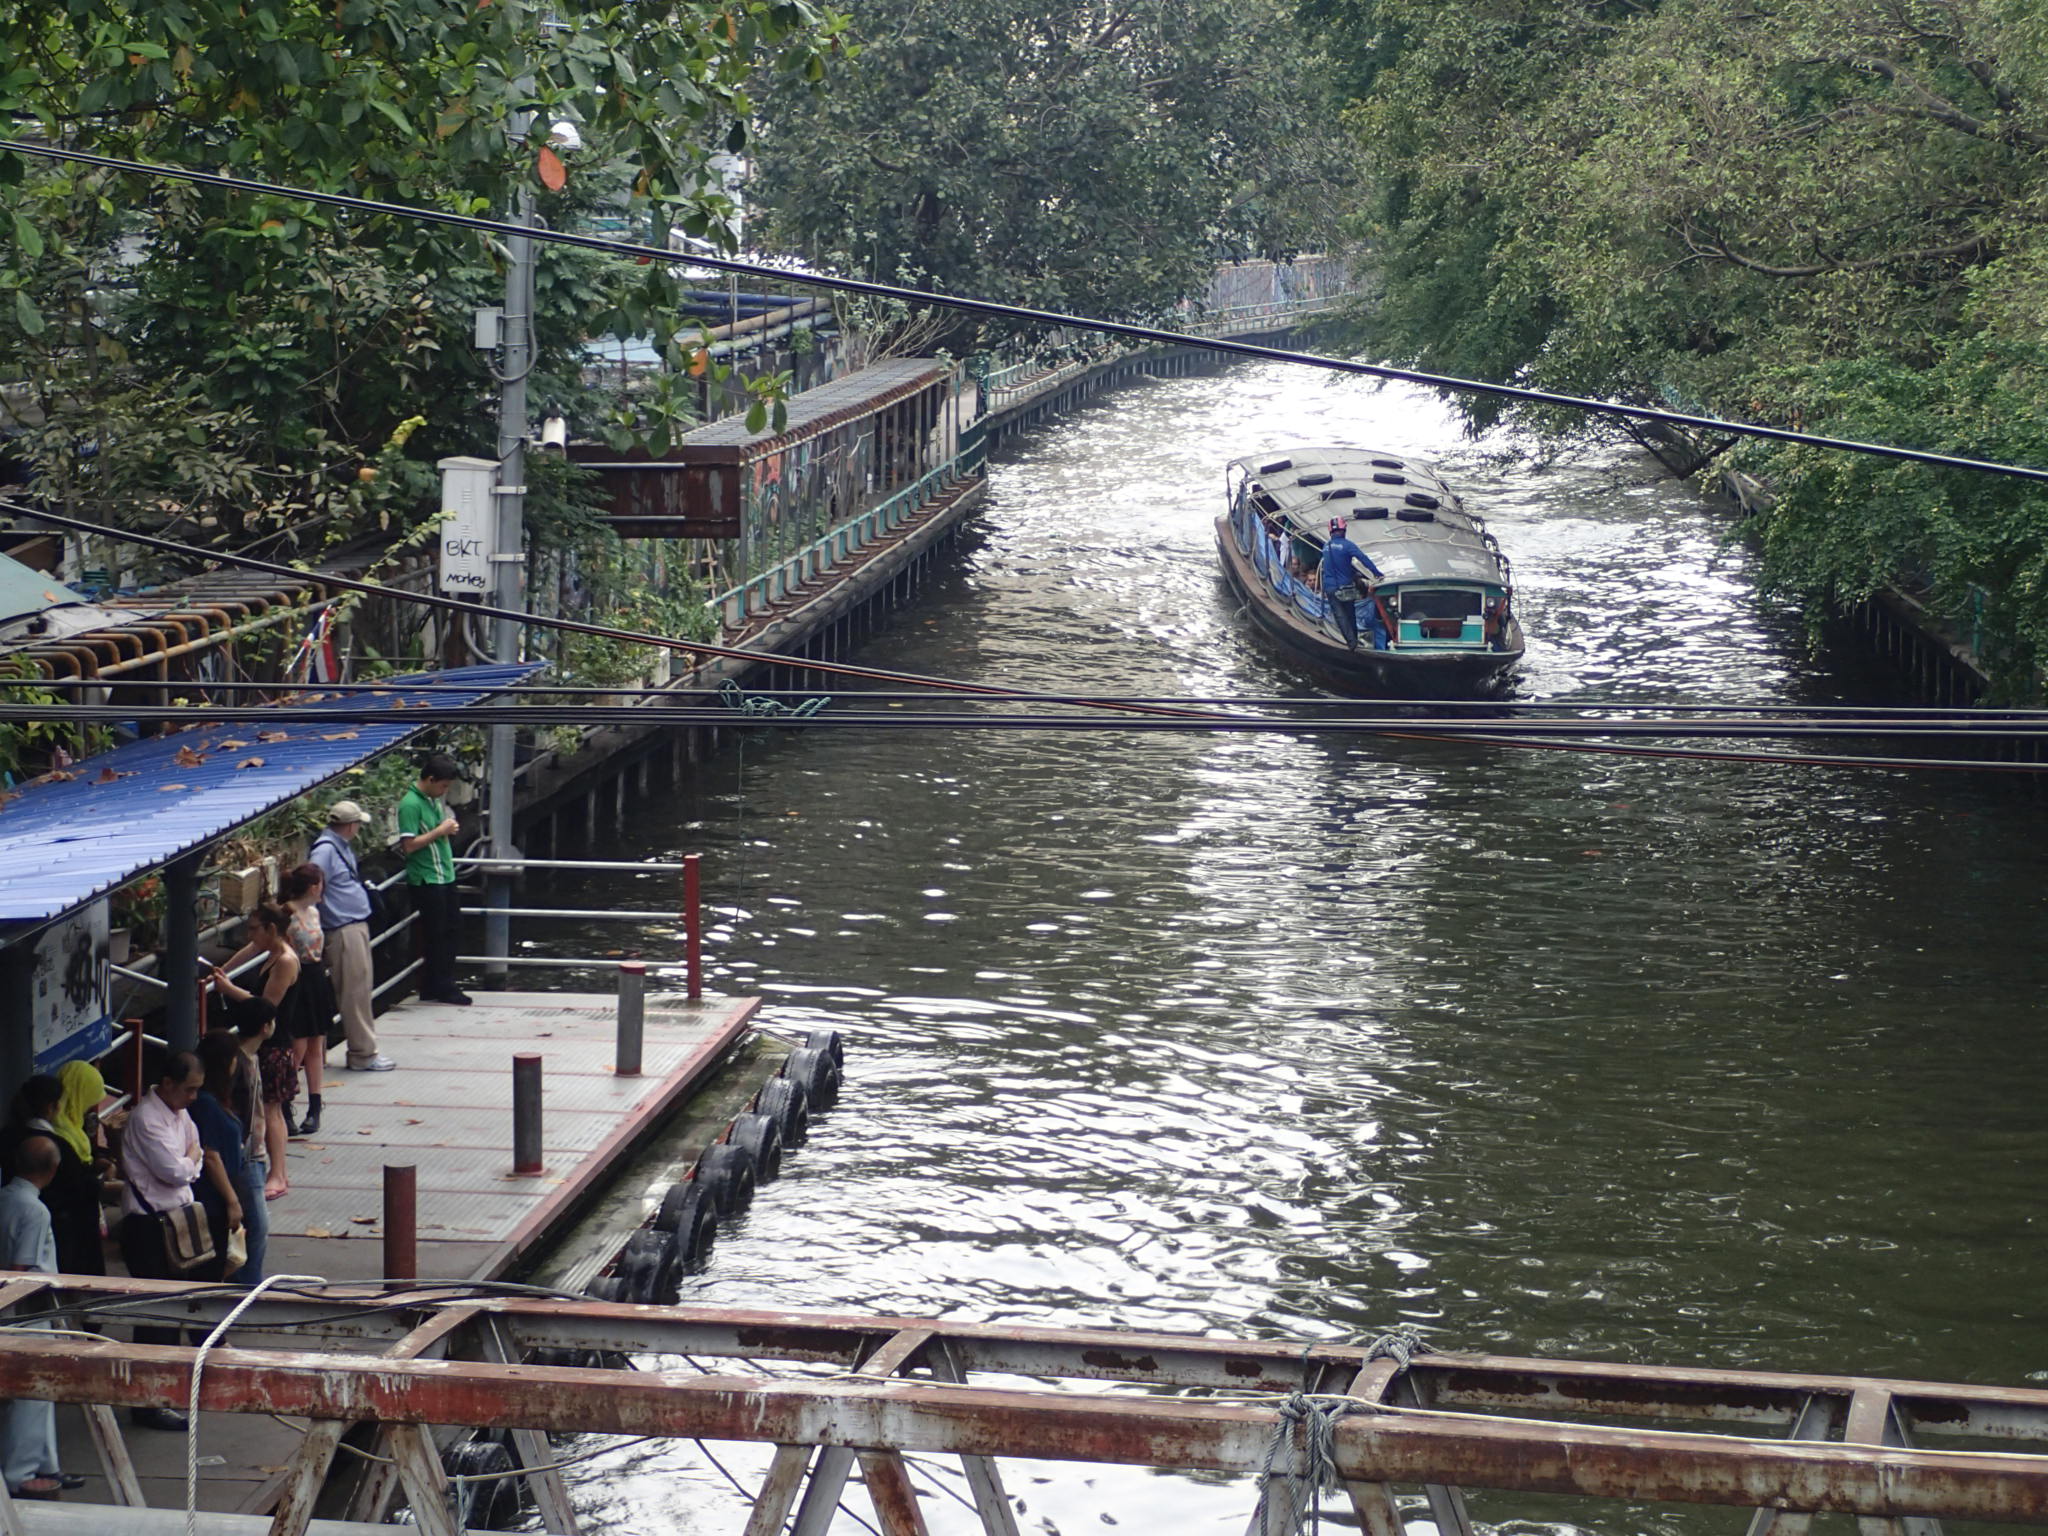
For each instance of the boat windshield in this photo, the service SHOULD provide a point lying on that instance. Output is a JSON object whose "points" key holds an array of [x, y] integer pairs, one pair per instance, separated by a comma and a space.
{"points": [[1438, 603]]}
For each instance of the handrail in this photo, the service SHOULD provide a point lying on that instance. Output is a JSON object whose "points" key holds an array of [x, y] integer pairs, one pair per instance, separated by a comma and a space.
{"points": [[154, 981], [827, 550], [599, 864]]}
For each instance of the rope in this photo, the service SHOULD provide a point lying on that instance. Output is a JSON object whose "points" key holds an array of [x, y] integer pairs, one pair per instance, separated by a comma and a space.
{"points": [[1400, 1346], [1314, 1419], [192, 1398], [761, 707]]}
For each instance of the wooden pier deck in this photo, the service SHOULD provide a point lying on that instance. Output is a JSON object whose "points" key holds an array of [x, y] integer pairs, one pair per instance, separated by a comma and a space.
{"points": [[446, 1110]]}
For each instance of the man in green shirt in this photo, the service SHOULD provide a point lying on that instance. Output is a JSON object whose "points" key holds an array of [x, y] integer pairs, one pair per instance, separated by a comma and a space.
{"points": [[425, 828]]}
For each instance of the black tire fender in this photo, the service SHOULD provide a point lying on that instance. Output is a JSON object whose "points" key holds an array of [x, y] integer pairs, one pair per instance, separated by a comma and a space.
{"points": [[762, 1138], [785, 1099], [727, 1173], [816, 1072]]}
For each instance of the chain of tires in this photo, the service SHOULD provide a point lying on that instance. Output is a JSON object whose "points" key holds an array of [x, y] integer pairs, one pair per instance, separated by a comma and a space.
{"points": [[677, 1243]]}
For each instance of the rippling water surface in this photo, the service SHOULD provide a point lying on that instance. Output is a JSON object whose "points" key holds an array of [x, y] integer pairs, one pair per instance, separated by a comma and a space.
{"points": [[1537, 1052]]}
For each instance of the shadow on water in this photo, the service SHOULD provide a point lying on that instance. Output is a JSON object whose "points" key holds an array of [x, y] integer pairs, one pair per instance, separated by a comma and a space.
{"points": [[1542, 1053]]}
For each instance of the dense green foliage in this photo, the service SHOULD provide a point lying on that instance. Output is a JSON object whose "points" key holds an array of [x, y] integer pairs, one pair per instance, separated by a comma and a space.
{"points": [[1827, 213], [253, 366], [1069, 154]]}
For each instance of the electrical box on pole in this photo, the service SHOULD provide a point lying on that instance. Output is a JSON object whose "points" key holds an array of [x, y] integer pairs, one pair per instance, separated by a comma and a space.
{"points": [[469, 527]]}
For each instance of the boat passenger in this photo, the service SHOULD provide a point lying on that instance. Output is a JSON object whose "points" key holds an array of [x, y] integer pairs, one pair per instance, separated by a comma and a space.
{"points": [[1344, 564]]}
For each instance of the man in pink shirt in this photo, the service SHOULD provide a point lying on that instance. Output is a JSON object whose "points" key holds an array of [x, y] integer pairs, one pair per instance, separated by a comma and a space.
{"points": [[160, 1157]]}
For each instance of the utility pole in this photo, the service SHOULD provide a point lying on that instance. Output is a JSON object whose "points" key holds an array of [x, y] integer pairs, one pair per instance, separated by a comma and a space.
{"points": [[509, 588]]}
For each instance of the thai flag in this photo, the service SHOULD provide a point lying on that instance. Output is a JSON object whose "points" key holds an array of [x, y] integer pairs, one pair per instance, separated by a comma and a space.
{"points": [[317, 652]]}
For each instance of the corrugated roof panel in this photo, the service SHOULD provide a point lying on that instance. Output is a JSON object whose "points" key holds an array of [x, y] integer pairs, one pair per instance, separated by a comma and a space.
{"points": [[64, 842]]}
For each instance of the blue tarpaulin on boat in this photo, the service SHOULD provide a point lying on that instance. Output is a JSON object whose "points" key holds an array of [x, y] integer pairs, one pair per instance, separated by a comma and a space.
{"points": [[120, 814]]}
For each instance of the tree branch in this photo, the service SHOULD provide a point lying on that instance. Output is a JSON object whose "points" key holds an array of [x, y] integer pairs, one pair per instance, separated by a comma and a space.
{"points": [[1718, 250], [1926, 104]]}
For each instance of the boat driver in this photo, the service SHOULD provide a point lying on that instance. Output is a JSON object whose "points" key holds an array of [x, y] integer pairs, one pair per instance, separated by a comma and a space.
{"points": [[1345, 565]]}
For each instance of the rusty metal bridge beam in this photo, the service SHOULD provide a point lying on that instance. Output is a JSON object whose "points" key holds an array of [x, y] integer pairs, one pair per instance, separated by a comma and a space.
{"points": [[1455, 1382], [1387, 1446]]}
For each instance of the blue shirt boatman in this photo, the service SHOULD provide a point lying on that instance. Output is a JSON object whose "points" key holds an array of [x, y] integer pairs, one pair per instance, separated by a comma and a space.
{"points": [[1343, 563]]}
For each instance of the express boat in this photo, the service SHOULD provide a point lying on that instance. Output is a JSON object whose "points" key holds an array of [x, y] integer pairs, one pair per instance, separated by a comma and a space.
{"points": [[1446, 597]]}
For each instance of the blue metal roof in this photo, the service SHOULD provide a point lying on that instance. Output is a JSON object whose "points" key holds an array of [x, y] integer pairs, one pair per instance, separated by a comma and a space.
{"points": [[64, 842]]}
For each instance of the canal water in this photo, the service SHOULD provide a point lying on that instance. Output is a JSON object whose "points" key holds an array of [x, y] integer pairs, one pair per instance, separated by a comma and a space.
{"points": [[1535, 1052]]}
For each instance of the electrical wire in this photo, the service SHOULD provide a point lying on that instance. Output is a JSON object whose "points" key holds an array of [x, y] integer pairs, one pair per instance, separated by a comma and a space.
{"points": [[1016, 312], [484, 610], [1403, 730]]}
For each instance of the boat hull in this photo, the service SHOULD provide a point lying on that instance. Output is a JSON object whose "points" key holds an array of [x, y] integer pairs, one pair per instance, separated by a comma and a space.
{"points": [[1395, 674]]}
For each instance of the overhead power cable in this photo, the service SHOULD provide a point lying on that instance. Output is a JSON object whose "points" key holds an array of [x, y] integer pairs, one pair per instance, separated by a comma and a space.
{"points": [[1989, 718], [998, 310], [1437, 733], [532, 620], [210, 716]]}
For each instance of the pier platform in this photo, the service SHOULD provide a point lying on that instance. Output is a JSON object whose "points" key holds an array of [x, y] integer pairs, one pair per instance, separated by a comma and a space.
{"points": [[447, 1111]]}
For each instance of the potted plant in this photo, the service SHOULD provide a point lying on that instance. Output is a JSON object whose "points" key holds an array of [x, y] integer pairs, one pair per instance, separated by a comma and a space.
{"points": [[136, 912]]}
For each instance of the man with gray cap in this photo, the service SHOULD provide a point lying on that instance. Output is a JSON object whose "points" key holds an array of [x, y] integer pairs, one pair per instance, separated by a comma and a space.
{"points": [[345, 917]]}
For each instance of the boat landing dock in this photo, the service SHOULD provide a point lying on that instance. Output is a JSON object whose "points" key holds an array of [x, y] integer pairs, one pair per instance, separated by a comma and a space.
{"points": [[447, 1112]]}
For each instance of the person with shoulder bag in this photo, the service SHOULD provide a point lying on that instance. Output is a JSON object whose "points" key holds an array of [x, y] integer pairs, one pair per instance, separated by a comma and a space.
{"points": [[347, 907], [164, 1234]]}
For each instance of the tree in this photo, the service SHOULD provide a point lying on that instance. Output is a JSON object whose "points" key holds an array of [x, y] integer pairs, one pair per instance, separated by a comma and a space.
{"points": [[259, 366], [1825, 213], [1093, 155]]}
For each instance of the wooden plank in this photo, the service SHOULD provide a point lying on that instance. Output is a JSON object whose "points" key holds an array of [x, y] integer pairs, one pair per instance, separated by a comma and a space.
{"points": [[1373, 1503], [308, 1470], [425, 1482], [991, 1499], [112, 1448], [889, 1487], [550, 1494], [778, 1490], [821, 1496]]}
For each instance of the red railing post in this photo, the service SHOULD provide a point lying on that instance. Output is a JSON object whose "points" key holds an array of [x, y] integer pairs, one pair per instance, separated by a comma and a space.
{"points": [[401, 1222], [693, 923]]}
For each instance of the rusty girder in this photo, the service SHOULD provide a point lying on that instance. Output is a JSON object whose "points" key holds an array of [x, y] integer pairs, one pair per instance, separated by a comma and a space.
{"points": [[906, 1384]]}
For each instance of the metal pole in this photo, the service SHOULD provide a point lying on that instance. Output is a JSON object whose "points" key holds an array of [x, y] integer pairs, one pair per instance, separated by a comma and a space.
{"points": [[401, 1222], [526, 1158], [181, 953], [508, 589], [693, 923], [632, 1016]]}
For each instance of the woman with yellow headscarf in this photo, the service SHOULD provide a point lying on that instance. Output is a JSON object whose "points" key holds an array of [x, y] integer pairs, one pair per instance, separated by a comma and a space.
{"points": [[74, 1196]]}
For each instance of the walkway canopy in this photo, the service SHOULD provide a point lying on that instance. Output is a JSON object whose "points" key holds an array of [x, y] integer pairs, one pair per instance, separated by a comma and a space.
{"points": [[69, 838]]}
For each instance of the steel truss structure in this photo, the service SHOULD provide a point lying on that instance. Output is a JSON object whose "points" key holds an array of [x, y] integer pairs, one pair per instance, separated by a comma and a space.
{"points": [[865, 1390]]}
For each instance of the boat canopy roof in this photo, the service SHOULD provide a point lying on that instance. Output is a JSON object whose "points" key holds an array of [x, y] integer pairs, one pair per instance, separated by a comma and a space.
{"points": [[1397, 509]]}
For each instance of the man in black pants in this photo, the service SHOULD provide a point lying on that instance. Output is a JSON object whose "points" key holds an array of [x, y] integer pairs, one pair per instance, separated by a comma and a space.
{"points": [[160, 1158], [425, 828]]}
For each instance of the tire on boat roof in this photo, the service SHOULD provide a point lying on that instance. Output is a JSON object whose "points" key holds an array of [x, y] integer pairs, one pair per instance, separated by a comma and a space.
{"points": [[497, 1504], [1415, 515], [1387, 464], [1341, 493], [1389, 479], [1276, 466], [817, 1073], [787, 1101], [828, 1040], [761, 1135], [1422, 499], [1319, 477], [1365, 514], [727, 1174]]}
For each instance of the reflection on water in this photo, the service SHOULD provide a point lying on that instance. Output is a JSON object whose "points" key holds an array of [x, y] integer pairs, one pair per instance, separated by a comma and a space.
{"points": [[1538, 1052]]}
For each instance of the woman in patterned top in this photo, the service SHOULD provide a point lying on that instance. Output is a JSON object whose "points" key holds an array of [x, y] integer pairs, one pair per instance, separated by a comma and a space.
{"points": [[306, 1028]]}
